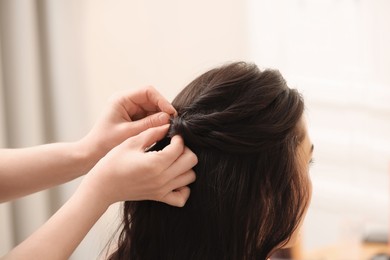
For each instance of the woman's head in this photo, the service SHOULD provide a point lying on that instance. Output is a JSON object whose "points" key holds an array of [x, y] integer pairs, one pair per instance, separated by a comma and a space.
{"points": [[252, 188]]}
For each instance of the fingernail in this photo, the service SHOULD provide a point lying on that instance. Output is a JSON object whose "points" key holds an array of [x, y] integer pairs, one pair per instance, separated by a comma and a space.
{"points": [[163, 117]]}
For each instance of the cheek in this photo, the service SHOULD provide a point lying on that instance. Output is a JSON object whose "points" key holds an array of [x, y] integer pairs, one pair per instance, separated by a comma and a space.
{"points": [[310, 189], [305, 178], [309, 185]]}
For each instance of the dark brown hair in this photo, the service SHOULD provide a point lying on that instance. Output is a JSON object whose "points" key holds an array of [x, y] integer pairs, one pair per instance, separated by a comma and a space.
{"points": [[249, 195]]}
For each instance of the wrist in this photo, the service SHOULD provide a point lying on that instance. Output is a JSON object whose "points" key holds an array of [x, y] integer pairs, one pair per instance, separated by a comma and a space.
{"points": [[100, 184], [88, 154], [93, 191]]}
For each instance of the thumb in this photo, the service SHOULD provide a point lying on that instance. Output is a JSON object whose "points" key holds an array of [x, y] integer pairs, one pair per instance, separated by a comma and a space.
{"points": [[150, 121], [149, 137]]}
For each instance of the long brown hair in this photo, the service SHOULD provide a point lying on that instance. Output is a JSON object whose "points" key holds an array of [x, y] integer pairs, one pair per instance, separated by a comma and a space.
{"points": [[249, 195]]}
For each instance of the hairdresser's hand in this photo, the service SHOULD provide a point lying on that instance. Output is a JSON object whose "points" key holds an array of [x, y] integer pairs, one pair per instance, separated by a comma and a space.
{"points": [[129, 173], [127, 114]]}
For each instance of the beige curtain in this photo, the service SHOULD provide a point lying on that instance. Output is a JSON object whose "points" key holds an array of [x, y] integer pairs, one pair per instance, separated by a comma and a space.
{"points": [[6, 236], [22, 109], [41, 97]]}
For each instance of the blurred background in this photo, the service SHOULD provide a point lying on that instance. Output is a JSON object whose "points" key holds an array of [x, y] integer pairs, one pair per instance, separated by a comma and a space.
{"points": [[60, 60]]}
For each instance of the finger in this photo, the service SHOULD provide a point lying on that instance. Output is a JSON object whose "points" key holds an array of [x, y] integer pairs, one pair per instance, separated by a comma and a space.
{"points": [[154, 120], [147, 99], [182, 180], [154, 97], [185, 162], [148, 137], [178, 197]]}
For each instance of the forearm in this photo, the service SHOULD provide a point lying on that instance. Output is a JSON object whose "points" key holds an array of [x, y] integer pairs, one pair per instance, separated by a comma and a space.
{"points": [[27, 170], [59, 237]]}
